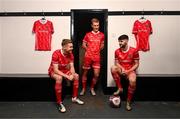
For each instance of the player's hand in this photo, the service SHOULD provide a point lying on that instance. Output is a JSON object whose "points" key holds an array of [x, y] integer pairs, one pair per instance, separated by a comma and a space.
{"points": [[123, 74], [71, 77], [127, 72], [123, 71]]}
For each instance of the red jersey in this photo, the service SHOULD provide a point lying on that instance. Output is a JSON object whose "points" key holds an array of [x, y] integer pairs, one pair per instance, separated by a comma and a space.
{"points": [[43, 35], [93, 41], [62, 60], [126, 58], [142, 30]]}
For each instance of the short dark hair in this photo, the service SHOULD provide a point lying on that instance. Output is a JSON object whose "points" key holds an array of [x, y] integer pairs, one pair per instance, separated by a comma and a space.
{"points": [[94, 20], [66, 41], [123, 37]]}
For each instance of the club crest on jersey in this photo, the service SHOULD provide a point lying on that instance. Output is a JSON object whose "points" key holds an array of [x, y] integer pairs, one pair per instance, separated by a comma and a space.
{"points": [[147, 26], [47, 27], [130, 56]]}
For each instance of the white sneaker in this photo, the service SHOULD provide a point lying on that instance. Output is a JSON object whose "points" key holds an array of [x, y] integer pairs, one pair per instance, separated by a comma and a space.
{"points": [[128, 106], [82, 92], [61, 108], [118, 92], [93, 93], [77, 100]]}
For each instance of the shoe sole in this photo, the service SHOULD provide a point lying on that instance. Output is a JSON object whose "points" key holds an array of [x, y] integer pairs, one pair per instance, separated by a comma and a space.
{"points": [[82, 94], [78, 103], [128, 109], [62, 111]]}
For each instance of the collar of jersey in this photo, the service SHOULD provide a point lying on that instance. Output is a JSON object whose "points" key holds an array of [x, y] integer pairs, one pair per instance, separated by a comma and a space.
{"points": [[94, 32], [126, 50]]}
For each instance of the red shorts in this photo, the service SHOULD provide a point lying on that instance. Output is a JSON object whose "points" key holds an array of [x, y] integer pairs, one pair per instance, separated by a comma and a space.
{"points": [[93, 61]]}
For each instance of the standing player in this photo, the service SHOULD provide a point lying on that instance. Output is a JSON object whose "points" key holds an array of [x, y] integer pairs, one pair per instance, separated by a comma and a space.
{"points": [[93, 43], [62, 67], [126, 62]]}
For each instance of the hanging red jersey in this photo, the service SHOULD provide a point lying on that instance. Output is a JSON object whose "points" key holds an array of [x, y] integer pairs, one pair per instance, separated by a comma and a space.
{"points": [[43, 34], [142, 30]]}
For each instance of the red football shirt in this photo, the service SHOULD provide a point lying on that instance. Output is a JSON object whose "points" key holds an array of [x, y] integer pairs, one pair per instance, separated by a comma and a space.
{"points": [[142, 30], [93, 41], [43, 35], [126, 58], [62, 60]]}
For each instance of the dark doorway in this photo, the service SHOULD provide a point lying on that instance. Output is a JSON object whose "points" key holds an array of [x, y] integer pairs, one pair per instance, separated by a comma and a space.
{"points": [[80, 25]]}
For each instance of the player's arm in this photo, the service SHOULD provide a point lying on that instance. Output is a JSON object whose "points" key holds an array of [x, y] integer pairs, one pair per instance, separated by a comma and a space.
{"points": [[84, 45], [72, 70], [102, 45], [85, 40], [57, 71], [134, 67]]}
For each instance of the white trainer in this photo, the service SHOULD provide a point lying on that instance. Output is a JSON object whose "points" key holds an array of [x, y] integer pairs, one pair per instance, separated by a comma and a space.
{"points": [[93, 93], [77, 100], [82, 92], [61, 108]]}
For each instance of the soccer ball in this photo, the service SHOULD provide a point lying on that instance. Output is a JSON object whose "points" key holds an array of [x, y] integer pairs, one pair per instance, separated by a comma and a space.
{"points": [[114, 101]]}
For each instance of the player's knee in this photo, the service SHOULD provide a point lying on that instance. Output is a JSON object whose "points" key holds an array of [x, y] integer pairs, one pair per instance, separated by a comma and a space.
{"points": [[132, 82], [96, 75], [76, 76], [113, 69], [85, 71], [59, 79]]}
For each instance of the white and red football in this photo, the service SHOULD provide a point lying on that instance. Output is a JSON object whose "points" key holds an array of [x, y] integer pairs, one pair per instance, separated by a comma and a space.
{"points": [[115, 101]]}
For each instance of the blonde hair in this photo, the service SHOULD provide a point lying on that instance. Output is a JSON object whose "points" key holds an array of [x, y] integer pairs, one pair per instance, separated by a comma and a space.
{"points": [[94, 20]]}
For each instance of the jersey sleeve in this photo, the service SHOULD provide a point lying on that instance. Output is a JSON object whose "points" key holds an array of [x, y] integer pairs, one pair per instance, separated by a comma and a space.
{"points": [[34, 27], [55, 58], [135, 28], [116, 55], [102, 37], [150, 26], [52, 28], [136, 55]]}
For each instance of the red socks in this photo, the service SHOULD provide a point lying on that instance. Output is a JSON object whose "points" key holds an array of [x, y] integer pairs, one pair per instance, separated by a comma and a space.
{"points": [[58, 91], [130, 94], [84, 80], [117, 79], [93, 82], [75, 88]]}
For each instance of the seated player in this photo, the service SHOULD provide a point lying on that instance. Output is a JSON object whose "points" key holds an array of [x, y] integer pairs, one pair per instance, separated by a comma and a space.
{"points": [[126, 62], [62, 67]]}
